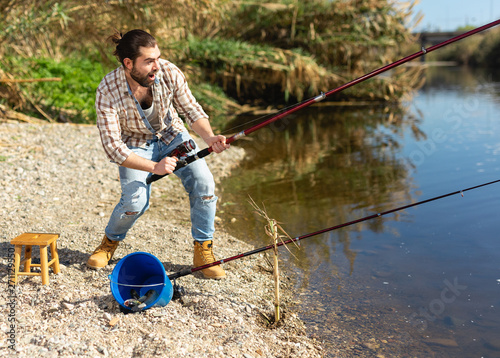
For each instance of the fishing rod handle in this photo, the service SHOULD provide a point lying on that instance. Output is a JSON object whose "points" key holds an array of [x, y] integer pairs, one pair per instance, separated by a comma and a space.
{"points": [[181, 164], [181, 273]]}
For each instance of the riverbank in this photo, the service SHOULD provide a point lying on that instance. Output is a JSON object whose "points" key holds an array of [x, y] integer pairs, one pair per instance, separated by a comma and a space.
{"points": [[55, 178]]}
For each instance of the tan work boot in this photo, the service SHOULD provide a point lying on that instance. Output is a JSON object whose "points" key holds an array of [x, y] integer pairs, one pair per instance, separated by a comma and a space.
{"points": [[103, 253], [203, 255]]}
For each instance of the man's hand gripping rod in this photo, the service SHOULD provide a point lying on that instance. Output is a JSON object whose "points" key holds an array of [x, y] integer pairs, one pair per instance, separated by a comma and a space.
{"points": [[181, 153]]}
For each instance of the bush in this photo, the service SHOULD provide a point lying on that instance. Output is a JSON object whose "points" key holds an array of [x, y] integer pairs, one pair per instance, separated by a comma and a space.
{"points": [[71, 99]]}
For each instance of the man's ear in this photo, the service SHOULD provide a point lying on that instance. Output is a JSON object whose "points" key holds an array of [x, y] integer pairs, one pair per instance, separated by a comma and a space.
{"points": [[128, 63]]}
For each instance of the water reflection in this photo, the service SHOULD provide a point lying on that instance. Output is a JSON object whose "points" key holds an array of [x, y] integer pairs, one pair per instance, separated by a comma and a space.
{"points": [[325, 166], [462, 79], [384, 279]]}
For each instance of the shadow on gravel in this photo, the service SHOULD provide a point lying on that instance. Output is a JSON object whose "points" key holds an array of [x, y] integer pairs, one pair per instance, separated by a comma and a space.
{"points": [[7, 262]]}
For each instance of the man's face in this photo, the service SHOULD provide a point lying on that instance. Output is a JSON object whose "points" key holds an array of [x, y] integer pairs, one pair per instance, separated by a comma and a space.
{"points": [[145, 66]]}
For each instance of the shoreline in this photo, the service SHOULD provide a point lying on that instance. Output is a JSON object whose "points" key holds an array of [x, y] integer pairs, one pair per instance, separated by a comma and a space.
{"points": [[56, 178]]}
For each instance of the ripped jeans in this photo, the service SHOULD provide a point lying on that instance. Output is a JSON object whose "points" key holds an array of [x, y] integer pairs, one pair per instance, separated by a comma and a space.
{"points": [[196, 178]]}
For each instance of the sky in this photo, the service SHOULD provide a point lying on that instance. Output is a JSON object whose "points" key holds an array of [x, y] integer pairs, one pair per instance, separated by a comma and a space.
{"points": [[448, 15]]}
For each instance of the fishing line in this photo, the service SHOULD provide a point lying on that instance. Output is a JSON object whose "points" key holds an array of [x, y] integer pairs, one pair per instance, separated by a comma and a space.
{"points": [[189, 271], [204, 152]]}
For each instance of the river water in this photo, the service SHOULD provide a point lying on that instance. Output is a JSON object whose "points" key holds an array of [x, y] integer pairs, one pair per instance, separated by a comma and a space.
{"points": [[419, 282]]}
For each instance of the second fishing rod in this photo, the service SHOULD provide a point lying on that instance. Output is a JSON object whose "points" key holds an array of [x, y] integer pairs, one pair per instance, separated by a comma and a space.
{"points": [[185, 160], [189, 271]]}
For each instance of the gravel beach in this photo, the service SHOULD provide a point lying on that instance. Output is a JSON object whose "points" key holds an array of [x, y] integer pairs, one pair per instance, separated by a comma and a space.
{"points": [[55, 178]]}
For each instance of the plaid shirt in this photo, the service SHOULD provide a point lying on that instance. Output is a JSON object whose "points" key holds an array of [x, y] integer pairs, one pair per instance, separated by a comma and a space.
{"points": [[120, 123]]}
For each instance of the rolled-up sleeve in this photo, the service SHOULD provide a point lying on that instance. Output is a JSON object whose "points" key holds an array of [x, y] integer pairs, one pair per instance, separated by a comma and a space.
{"points": [[184, 101], [108, 123]]}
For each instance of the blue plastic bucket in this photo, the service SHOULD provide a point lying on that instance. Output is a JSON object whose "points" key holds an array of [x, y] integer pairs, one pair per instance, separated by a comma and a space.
{"points": [[140, 271]]}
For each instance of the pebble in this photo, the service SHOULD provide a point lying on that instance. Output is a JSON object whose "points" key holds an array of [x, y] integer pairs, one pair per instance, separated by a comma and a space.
{"points": [[443, 342], [68, 306]]}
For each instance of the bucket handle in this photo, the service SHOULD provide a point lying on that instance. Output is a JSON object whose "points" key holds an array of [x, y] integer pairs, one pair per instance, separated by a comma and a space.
{"points": [[124, 284]]}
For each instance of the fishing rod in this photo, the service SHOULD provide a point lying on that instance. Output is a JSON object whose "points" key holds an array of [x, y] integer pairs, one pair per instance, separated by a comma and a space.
{"points": [[189, 271], [205, 152]]}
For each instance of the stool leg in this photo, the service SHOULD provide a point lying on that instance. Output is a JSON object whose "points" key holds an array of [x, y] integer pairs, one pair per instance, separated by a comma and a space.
{"points": [[44, 265], [17, 261], [27, 258], [55, 257]]}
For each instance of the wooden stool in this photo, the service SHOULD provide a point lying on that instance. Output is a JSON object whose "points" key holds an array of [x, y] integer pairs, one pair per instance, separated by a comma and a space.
{"points": [[42, 240]]}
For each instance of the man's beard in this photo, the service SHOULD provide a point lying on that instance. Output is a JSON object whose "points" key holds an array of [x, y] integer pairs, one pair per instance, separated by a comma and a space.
{"points": [[144, 81]]}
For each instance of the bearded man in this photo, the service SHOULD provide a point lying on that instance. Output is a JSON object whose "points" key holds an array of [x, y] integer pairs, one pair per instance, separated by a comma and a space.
{"points": [[139, 105]]}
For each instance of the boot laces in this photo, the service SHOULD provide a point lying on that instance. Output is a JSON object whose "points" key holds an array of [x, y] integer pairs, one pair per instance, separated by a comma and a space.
{"points": [[207, 254], [106, 246]]}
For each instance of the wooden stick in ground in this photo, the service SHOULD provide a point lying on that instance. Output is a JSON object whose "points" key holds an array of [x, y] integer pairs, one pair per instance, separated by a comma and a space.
{"points": [[274, 231]]}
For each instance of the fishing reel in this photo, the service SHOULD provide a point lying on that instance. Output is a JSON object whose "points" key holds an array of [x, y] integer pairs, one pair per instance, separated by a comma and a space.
{"points": [[180, 152], [178, 291], [182, 149]]}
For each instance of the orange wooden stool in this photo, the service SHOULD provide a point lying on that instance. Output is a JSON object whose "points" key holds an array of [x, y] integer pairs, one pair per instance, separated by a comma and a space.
{"points": [[42, 240]]}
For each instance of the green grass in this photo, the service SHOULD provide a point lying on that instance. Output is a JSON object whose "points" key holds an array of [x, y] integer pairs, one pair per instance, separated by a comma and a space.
{"points": [[72, 97]]}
